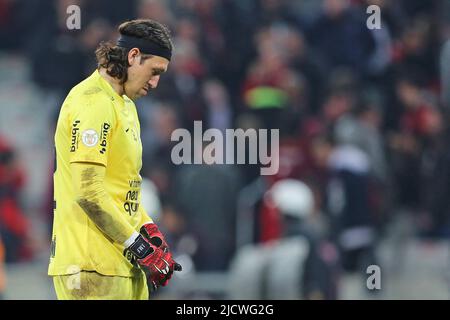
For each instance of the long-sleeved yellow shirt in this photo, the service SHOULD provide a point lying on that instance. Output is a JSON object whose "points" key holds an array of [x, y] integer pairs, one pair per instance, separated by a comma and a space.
{"points": [[97, 181]]}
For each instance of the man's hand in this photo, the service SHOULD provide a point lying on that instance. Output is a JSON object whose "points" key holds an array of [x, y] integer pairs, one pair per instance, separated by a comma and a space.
{"points": [[157, 263], [151, 232]]}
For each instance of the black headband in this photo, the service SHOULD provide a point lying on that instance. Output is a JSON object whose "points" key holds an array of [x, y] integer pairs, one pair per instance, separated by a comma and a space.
{"points": [[146, 46]]}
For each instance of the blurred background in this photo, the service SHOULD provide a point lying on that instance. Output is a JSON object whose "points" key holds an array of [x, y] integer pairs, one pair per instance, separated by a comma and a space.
{"points": [[364, 155]]}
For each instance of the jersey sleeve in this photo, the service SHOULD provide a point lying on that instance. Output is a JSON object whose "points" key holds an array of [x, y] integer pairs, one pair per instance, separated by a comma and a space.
{"points": [[91, 196], [92, 128]]}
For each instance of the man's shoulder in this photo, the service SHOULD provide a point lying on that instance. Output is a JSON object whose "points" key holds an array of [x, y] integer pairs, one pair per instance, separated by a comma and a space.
{"points": [[86, 104], [90, 90]]}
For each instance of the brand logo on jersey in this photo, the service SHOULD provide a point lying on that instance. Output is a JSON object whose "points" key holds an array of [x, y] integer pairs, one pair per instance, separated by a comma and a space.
{"points": [[74, 140], [104, 142], [89, 137]]}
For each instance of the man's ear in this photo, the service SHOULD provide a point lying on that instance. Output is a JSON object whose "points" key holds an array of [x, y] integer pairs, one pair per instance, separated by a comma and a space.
{"points": [[133, 55]]}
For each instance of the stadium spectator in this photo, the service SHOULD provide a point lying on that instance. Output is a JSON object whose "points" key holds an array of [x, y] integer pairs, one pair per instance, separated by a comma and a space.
{"points": [[2, 270], [347, 204], [14, 224]]}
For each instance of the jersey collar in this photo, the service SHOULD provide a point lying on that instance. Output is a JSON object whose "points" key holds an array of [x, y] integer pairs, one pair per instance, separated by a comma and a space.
{"points": [[107, 87]]}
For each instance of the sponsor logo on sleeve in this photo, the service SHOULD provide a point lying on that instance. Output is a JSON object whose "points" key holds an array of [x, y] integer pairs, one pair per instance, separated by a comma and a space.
{"points": [[103, 139], [74, 136]]}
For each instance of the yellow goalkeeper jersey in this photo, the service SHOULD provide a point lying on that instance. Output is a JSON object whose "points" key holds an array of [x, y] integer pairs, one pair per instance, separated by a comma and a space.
{"points": [[95, 125]]}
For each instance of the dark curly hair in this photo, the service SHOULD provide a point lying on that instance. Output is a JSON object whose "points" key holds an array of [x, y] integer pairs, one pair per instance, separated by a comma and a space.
{"points": [[115, 59]]}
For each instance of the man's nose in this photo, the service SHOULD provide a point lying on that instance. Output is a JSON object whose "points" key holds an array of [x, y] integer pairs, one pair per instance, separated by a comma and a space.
{"points": [[153, 82]]}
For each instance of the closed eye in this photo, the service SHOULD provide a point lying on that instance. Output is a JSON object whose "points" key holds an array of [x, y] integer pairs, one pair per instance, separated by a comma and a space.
{"points": [[157, 72]]}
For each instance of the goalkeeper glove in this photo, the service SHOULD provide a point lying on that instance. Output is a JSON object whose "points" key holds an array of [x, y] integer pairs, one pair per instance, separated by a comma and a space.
{"points": [[151, 232], [157, 263]]}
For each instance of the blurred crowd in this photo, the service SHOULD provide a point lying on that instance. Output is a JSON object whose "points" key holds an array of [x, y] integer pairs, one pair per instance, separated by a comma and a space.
{"points": [[361, 120]]}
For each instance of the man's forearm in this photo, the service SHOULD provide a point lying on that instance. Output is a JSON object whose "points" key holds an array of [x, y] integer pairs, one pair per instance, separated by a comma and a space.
{"points": [[92, 197]]}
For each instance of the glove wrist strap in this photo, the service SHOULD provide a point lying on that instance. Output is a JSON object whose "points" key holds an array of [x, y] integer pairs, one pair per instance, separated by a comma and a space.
{"points": [[140, 248]]}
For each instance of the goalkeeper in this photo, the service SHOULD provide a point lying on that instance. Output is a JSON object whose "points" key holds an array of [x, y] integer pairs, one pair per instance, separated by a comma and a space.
{"points": [[104, 245]]}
